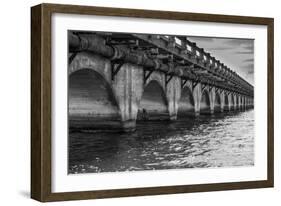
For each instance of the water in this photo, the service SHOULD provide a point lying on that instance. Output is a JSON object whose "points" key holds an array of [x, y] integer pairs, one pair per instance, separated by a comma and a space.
{"points": [[221, 140]]}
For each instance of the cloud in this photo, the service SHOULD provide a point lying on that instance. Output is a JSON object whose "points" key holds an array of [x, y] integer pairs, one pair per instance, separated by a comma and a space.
{"points": [[251, 65], [234, 42], [248, 60], [201, 39], [243, 52], [249, 68], [249, 47], [219, 48], [237, 54], [239, 42], [241, 46]]}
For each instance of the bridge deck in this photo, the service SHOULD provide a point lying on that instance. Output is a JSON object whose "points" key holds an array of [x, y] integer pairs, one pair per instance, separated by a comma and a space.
{"points": [[176, 55]]}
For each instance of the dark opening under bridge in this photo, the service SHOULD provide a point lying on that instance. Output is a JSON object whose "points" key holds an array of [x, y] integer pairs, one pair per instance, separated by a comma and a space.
{"points": [[122, 77]]}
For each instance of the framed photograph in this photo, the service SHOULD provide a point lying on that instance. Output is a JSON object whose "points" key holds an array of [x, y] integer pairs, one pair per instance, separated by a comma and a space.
{"points": [[130, 102]]}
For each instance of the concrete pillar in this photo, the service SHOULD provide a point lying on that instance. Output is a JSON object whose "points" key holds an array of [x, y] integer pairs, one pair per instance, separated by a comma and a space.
{"points": [[197, 93], [173, 93], [240, 105], [128, 86], [197, 98], [212, 97]]}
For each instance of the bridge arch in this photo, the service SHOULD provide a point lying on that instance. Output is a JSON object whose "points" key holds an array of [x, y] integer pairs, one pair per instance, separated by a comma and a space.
{"points": [[153, 104], [158, 77], [86, 60], [205, 103], [91, 98], [217, 103], [186, 102]]}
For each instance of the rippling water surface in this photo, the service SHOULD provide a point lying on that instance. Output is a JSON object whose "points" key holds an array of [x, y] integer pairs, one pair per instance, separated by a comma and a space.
{"points": [[221, 140]]}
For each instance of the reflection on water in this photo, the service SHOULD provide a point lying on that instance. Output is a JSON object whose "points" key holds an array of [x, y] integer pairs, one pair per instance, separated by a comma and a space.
{"points": [[221, 140]]}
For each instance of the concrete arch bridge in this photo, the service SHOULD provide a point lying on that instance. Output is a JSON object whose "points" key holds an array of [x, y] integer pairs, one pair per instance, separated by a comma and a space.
{"points": [[124, 77]]}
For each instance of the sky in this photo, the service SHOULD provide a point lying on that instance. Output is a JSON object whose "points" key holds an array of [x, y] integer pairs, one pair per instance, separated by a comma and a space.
{"points": [[237, 54]]}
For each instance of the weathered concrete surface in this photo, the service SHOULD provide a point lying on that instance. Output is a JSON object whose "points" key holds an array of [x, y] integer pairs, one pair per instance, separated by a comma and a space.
{"points": [[186, 102], [205, 103], [217, 103], [154, 102], [173, 92], [86, 60], [128, 87]]}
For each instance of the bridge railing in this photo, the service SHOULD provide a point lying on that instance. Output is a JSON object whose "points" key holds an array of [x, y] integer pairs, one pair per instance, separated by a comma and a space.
{"points": [[211, 63]]}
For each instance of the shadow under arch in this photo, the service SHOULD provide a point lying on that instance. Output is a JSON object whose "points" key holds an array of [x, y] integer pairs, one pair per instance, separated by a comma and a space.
{"points": [[205, 107], [153, 104], [186, 103], [226, 103], [232, 106], [91, 101], [237, 103], [217, 104], [241, 103]]}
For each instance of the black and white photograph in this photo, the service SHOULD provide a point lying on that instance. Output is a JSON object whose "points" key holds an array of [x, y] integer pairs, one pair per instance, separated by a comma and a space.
{"points": [[140, 102]]}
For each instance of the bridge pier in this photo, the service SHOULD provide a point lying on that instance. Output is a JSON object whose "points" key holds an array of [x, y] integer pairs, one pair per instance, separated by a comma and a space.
{"points": [[197, 98], [173, 93], [128, 87]]}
